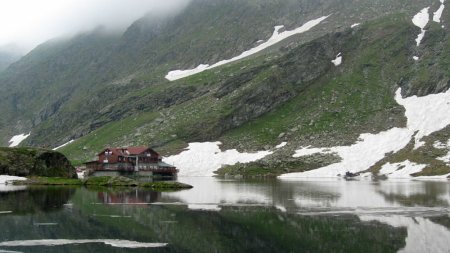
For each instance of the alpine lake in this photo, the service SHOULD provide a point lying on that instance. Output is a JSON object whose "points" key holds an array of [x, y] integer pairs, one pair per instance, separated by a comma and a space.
{"points": [[230, 215]]}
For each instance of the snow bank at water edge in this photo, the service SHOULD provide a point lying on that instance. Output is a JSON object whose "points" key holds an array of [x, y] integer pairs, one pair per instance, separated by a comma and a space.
{"points": [[17, 139], [4, 179], [276, 37], [417, 240], [360, 156], [63, 145], [202, 159], [58, 242], [421, 20], [338, 60], [425, 115], [437, 14], [401, 170]]}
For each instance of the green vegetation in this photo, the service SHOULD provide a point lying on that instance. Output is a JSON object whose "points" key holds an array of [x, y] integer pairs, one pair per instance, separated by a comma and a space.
{"points": [[299, 96], [35, 162], [117, 181]]}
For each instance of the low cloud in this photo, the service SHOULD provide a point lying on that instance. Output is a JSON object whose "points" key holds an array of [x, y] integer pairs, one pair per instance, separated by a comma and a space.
{"points": [[29, 22]]}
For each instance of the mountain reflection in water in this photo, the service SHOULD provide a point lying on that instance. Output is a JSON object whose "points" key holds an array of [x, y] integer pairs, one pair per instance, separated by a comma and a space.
{"points": [[242, 216]]}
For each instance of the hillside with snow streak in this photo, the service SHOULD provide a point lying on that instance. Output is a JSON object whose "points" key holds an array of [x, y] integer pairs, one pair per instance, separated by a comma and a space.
{"points": [[425, 115], [276, 38]]}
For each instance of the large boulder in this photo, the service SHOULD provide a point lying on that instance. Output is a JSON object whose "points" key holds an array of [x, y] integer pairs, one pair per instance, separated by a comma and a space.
{"points": [[35, 162]]}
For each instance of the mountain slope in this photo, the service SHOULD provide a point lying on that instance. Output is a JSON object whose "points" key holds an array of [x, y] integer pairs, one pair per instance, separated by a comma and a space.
{"points": [[109, 90], [311, 101], [81, 72]]}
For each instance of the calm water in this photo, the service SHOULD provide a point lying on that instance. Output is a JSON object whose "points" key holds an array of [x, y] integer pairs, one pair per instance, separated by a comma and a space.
{"points": [[230, 216]]}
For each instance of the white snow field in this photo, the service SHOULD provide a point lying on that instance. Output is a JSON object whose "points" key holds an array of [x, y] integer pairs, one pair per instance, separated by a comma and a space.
{"points": [[437, 14], [425, 115], [276, 37], [421, 20], [17, 139], [401, 170], [202, 159]]}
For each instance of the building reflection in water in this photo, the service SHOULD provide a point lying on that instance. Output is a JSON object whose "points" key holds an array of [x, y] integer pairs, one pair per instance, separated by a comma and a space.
{"points": [[136, 196]]}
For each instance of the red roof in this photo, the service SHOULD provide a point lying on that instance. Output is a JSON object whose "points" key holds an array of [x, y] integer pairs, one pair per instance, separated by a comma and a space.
{"points": [[137, 150], [131, 150]]}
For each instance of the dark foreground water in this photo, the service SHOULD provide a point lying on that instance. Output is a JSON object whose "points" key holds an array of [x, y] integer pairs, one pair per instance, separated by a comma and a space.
{"points": [[230, 216]]}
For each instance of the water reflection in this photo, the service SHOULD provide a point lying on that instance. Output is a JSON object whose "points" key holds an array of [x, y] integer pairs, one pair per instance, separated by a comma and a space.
{"points": [[126, 196], [233, 216], [424, 235], [34, 199], [310, 195]]}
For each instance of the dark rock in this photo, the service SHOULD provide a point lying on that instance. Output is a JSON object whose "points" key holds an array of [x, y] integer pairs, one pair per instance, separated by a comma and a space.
{"points": [[35, 162]]}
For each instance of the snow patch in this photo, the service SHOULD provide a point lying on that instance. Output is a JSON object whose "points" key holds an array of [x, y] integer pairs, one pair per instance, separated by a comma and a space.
{"points": [[306, 151], [59, 242], [437, 14], [202, 159], [445, 158], [401, 170], [63, 145], [5, 179], [354, 25], [17, 139], [81, 174], [276, 37], [421, 20], [281, 145], [369, 149], [425, 115], [338, 60], [440, 145]]}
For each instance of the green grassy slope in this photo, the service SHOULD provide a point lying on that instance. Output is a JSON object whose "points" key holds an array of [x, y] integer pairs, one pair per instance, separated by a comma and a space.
{"points": [[317, 103], [67, 89]]}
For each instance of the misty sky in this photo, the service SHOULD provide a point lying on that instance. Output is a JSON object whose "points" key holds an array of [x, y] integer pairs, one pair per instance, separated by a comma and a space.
{"points": [[31, 22]]}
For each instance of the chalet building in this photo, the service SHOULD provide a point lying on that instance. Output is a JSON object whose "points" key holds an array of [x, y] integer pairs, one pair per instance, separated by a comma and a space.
{"points": [[136, 160]]}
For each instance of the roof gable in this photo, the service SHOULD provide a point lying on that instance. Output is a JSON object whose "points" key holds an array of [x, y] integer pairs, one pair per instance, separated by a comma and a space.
{"points": [[129, 151]]}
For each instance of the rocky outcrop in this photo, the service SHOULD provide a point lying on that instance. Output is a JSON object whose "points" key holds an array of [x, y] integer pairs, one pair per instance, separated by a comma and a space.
{"points": [[35, 162]]}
